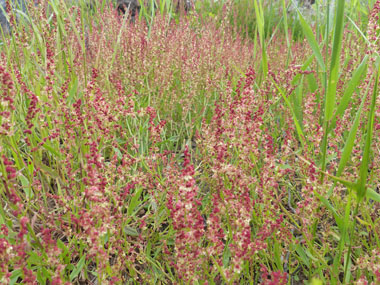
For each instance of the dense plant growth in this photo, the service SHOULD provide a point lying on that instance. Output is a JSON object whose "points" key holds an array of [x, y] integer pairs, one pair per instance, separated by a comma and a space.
{"points": [[171, 150]]}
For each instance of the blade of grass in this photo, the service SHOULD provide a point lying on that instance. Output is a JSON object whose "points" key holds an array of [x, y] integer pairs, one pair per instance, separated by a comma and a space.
{"points": [[351, 86], [335, 58], [346, 154], [338, 219], [78, 268], [298, 126], [76, 32], [368, 142], [326, 41], [297, 103], [330, 96], [308, 32], [350, 141], [358, 29], [261, 28], [373, 195], [342, 242], [286, 31]]}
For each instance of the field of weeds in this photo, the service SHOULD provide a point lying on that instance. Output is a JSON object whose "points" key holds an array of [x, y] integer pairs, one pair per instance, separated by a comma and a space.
{"points": [[238, 143]]}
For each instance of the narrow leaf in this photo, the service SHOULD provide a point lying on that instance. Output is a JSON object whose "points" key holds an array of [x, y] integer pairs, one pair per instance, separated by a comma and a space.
{"points": [[373, 195], [298, 125], [134, 201], [350, 142], [312, 41], [131, 231], [338, 218], [301, 253], [260, 24], [335, 57], [368, 142], [351, 86], [78, 268], [26, 186], [15, 276]]}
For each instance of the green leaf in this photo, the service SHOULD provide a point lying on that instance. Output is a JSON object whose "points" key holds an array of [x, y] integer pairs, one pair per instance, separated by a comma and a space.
{"points": [[349, 265], [260, 25], [78, 268], [344, 238], [348, 184], [52, 173], [59, 19], [297, 104], [350, 141], [298, 126], [308, 32], [134, 201], [373, 195], [34, 259], [118, 153], [301, 253], [51, 149], [33, 235], [15, 275], [337, 217], [42, 275], [277, 255], [360, 32], [313, 85], [363, 174], [65, 254], [73, 91], [335, 57], [351, 86], [26, 186], [226, 256], [315, 281], [131, 231], [286, 28]]}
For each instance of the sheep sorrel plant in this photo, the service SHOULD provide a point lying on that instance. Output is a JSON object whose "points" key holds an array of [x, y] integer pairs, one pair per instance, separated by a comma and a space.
{"points": [[84, 140], [171, 150]]}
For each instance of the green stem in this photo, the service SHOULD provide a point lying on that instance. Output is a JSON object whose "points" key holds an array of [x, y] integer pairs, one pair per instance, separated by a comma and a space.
{"points": [[350, 240], [324, 141]]}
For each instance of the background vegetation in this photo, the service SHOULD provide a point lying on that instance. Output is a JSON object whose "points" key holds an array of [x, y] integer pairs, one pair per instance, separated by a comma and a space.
{"points": [[238, 143]]}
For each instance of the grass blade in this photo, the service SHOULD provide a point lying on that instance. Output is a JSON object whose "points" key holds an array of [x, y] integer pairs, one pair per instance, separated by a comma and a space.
{"points": [[368, 142], [330, 95], [298, 124], [373, 195], [354, 82], [312, 41], [350, 142], [335, 57], [260, 24], [78, 268], [286, 30], [337, 217], [342, 242]]}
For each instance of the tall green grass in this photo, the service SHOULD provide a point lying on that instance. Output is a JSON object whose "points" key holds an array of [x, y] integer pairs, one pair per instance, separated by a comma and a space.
{"points": [[356, 190]]}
